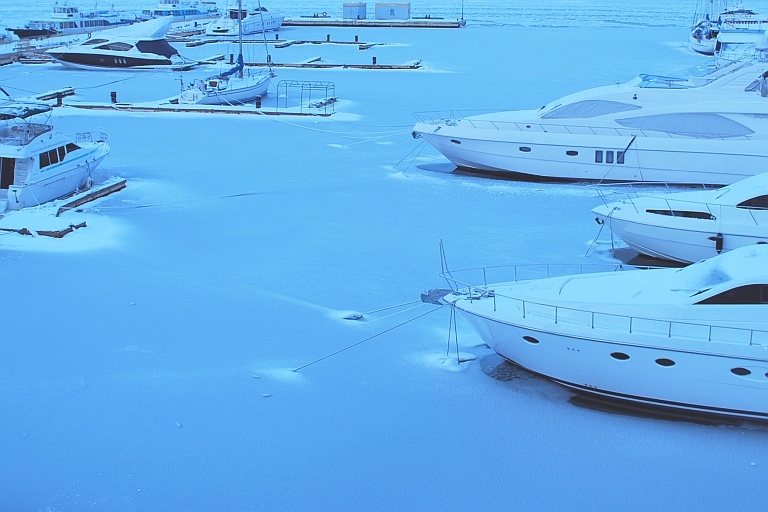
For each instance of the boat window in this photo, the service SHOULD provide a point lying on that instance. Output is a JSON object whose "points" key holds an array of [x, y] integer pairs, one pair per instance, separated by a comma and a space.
{"points": [[620, 157], [44, 160], [233, 14], [72, 147], [748, 294], [683, 213], [609, 157], [524, 149], [741, 372], [62, 153], [700, 125], [94, 41], [588, 108], [159, 47], [572, 153], [598, 157], [665, 362], [621, 356], [756, 203], [53, 156], [115, 47]]}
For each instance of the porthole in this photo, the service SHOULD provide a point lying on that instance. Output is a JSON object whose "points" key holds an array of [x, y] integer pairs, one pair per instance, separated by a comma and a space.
{"points": [[456, 141], [741, 372], [665, 362], [621, 356], [609, 157], [571, 152], [524, 149], [598, 156], [530, 339]]}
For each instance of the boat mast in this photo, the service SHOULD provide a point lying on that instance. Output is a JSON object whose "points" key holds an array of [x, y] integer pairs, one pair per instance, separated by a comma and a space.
{"points": [[240, 34], [264, 34]]}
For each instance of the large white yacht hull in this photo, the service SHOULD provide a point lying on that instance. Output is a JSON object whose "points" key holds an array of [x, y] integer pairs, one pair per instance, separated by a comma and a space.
{"points": [[683, 239], [61, 180], [551, 156], [701, 379]]}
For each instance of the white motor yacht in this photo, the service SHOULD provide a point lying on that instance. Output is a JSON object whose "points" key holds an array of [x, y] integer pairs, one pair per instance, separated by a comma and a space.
{"points": [[254, 21], [140, 46], [186, 15], [69, 20], [39, 164], [706, 128], [691, 226], [694, 338]]}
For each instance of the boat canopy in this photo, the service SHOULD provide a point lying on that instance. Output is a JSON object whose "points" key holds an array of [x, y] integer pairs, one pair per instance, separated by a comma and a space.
{"points": [[158, 47], [237, 69], [20, 111], [589, 108], [692, 124]]}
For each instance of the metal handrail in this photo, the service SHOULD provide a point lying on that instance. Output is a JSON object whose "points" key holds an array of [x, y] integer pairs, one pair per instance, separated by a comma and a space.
{"points": [[449, 117], [716, 210], [625, 323]]}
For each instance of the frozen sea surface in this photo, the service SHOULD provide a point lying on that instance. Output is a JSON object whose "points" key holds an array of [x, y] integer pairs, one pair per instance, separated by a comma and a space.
{"points": [[153, 372]]}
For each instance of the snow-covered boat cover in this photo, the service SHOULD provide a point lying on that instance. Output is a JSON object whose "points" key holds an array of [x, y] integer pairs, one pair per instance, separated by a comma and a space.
{"points": [[21, 111], [152, 29]]}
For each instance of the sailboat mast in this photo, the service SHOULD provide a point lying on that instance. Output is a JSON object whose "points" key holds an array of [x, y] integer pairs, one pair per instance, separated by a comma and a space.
{"points": [[240, 32], [264, 35]]}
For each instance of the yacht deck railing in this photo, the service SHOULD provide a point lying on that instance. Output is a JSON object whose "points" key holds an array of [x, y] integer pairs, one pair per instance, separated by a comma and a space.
{"points": [[629, 324], [451, 118], [701, 210]]}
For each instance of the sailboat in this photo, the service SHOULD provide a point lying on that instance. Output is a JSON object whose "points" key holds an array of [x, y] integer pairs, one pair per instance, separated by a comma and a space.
{"points": [[232, 87]]}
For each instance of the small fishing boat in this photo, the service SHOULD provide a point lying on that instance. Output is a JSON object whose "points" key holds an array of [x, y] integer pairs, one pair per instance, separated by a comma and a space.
{"points": [[39, 164], [69, 20], [240, 21], [693, 339], [691, 226]]}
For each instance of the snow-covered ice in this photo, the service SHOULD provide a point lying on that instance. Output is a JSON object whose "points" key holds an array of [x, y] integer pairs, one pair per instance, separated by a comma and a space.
{"points": [[162, 359]]}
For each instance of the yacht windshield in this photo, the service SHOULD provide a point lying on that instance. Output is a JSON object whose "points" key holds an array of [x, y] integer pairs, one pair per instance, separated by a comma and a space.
{"points": [[588, 108], [700, 125]]}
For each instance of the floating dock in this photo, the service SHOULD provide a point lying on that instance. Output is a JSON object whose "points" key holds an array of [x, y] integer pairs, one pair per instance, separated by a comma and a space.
{"points": [[194, 109], [314, 64], [329, 22]]}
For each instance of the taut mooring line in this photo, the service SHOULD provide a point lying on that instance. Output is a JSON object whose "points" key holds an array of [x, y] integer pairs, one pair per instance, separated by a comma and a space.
{"points": [[368, 338]]}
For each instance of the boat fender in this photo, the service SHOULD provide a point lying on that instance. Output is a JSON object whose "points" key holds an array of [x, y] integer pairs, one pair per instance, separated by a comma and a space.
{"points": [[718, 239], [88, 183]]}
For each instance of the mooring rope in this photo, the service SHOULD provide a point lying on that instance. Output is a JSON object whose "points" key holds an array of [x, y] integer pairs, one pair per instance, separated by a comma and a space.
{"points": [[368, 338]]}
